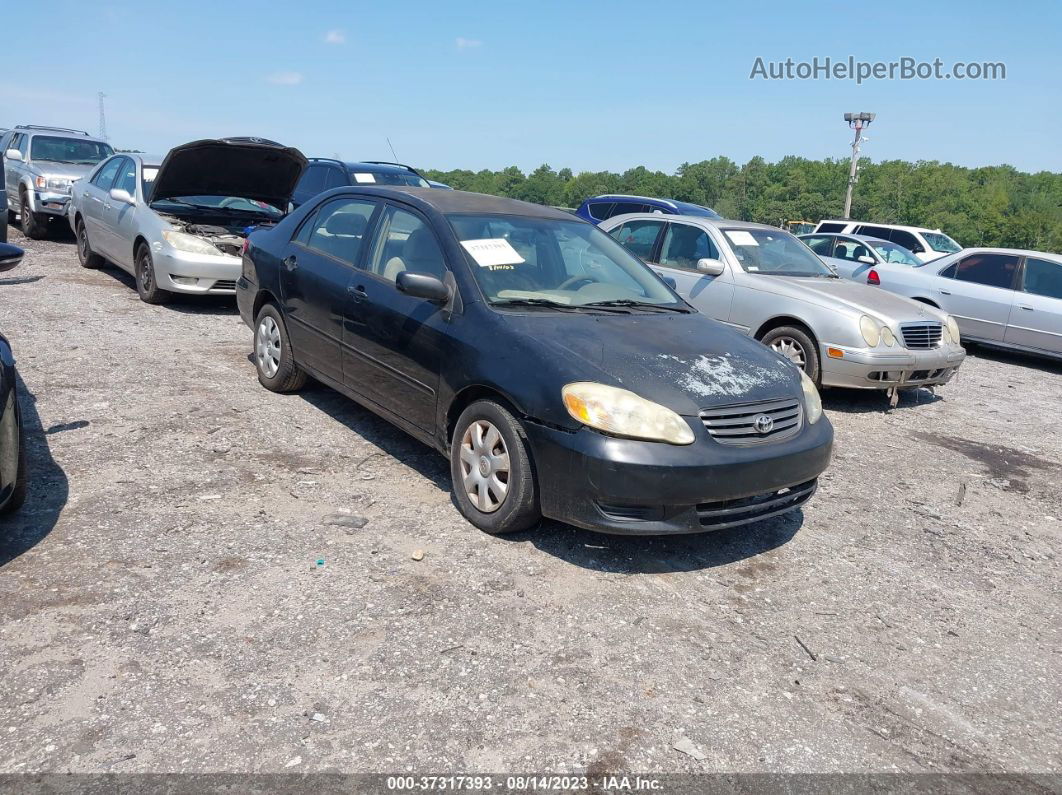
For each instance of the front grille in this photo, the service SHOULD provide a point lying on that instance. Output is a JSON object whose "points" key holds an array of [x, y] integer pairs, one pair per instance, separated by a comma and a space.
{"points": [[730, 513], [921, 335], [224, 284], [736, 425]]}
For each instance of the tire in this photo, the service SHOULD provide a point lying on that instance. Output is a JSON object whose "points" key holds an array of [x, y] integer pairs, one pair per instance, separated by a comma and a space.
{"points": [[32, 226], [487, 438], [795, 344], [85, 255], [146, 284], [18, 494], [274, 358]]}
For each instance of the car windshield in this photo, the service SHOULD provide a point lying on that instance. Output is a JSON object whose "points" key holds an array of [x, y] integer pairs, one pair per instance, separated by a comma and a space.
{"points": [[69, 150], [774, 252], [558, 264], [890, 252], [938, 241], [388, 178], [228, 203]]}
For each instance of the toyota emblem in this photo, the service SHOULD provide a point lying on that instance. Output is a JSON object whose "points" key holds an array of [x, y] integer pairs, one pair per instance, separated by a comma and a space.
{"points": [[763, 423]]}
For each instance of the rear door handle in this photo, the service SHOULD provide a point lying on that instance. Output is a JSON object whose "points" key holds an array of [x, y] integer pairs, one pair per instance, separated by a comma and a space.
{"points": [[290, 262], [1025, 307], [358, 293]]}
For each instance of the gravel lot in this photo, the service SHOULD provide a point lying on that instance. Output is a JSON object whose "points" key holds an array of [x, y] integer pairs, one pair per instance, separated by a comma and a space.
{"points": [[163, 605]]}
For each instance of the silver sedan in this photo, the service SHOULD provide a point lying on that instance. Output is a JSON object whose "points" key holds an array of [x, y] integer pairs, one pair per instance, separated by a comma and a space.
{"points": [[768, 284], [856, 256], [179, 225], [1010, 298]]}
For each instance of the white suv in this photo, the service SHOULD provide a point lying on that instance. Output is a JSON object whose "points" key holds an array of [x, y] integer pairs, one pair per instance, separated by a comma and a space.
{"points": [[926, 244]]}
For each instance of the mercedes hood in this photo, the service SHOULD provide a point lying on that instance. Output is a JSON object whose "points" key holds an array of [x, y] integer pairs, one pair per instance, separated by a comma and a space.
{"points": [[251, 168], [861, 298]]}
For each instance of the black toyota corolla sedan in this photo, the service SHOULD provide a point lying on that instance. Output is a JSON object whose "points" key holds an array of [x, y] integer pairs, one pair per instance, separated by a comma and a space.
{"points": [[557, 372], [12, 452]]}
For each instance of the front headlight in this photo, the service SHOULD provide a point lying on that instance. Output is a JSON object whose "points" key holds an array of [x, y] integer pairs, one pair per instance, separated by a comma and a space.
{"points": [[953, 330], [870, 329], [812, 401], [887, 336], [623, 413], [190, 243], [59, 184]]}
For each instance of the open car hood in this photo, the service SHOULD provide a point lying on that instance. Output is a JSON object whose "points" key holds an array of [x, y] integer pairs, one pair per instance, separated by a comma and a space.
{"points": [[252, 168]]}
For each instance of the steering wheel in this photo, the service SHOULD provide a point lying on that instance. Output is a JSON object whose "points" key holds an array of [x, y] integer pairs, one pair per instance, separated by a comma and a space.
{"points": [[575, 280]]}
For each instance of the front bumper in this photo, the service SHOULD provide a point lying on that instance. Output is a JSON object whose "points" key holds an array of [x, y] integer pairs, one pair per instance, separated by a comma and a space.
{"points": [[631, 487], [196, 274], [44, 202], [860, 368]]}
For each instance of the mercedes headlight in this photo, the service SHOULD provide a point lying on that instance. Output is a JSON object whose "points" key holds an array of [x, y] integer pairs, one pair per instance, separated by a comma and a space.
{"points": [[812, 401], [953, 330], [190, 243], [870, 329], [887, 336], [623, 413]]}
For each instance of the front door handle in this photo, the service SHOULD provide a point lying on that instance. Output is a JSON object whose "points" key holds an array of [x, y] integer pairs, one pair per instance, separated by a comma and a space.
{"points": [[290, 262], [357, 293], [944, 292], [1025, 307]]}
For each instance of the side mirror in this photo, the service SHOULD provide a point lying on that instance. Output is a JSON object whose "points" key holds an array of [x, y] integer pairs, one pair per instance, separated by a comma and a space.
{"points": [[422, 285], [669, 282], [710, 267], [13, 154], [10, 256], [866, 260], [122, 195]]}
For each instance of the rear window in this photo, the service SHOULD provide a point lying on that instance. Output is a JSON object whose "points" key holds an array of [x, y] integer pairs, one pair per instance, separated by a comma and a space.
{"points": [[601, 210], [830, 227], [364, 177]]}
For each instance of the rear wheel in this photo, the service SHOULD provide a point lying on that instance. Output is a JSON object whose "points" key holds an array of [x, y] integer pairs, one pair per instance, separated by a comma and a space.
{"points": [[490, 462], [85, 255], [33, 226], [273, 356], [146, 284], [796, 345]]}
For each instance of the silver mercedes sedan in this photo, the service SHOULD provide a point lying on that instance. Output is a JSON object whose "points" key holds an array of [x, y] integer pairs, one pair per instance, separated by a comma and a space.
{"points": [[1009, 298], [178, 225], [768, 284]]}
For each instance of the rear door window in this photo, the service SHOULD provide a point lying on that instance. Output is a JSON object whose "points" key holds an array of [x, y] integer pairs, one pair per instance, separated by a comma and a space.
{"points": [[638, 237], [339, 229], [1042, 277], [874, 231], [992, 270]]}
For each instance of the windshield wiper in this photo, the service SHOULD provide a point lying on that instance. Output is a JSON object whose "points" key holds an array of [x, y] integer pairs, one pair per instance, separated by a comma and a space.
{"points": [[554, 305], [640, 305]]}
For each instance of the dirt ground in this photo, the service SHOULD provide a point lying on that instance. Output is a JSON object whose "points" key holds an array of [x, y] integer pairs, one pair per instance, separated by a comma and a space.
{"points": [[211, 577]]}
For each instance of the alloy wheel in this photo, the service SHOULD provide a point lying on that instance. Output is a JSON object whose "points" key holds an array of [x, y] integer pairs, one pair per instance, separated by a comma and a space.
{"points": [[790, 349], [484, 466], [267, 346]]}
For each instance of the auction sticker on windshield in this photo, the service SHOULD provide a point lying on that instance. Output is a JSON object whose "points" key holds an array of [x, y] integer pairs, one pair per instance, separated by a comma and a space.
{"points": [[491, 252], [740, 237], [364, 178]]}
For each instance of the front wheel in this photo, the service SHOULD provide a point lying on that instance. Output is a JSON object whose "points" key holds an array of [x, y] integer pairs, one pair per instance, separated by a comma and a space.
{"points": [[33, 227], [796, 345], [146, 284], [18, 494], [490, 462]]}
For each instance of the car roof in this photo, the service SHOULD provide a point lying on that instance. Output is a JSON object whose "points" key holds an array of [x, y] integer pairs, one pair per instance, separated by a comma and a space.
{"points": [[905, 227], [718, 223], [459, 201], [1017, 252], [864, 238]]}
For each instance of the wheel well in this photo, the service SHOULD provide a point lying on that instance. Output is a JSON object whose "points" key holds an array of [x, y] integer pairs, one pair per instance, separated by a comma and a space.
{"points": [[262, 298], [778, 322], [140, 241], [926, 301], [469, 395]]}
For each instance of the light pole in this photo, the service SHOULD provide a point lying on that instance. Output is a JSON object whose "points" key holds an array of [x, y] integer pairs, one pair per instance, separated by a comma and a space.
{"points": [[856, 121]]}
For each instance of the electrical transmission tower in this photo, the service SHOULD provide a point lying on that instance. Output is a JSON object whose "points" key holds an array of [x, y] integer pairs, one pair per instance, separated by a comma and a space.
{"points": [[103, 117]]}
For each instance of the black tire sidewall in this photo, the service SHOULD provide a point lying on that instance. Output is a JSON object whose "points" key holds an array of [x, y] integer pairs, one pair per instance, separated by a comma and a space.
{"points": [[90, 259], [521, 507], [31, 227], [289, 376], [811, 354], [156, 295]]}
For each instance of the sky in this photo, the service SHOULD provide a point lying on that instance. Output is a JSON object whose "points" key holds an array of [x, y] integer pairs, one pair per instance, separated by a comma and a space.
{"points": [[589, 86]]}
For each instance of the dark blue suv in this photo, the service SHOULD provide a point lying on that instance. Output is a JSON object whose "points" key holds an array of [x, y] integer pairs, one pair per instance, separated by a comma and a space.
{"points": [[598, 208], [324, 174]]}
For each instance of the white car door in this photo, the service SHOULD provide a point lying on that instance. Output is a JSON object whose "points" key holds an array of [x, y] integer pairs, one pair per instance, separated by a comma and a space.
{"points": [[1036, 314], [978, 291]]}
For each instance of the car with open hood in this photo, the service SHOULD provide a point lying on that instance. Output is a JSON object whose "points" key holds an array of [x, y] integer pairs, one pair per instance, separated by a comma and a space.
{"points": [[559, 374], [13, 475], [178, 223], [767, 284]]}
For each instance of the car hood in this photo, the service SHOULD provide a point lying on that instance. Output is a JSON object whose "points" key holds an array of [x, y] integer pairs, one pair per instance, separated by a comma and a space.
{"points": [[862, 299], [685, 362], [71, 171], [252, 168]]}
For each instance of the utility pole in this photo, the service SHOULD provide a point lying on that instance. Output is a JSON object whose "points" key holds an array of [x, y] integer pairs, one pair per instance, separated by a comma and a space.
{"points": [[103, 117], [856, 121]]}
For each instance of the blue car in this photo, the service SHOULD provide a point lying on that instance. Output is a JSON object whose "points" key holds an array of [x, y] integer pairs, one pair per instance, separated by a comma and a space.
{"points": [[599, 208]]}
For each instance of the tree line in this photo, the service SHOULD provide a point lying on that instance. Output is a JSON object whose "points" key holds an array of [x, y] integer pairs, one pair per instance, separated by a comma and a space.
{"points": [[988, 206]]}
